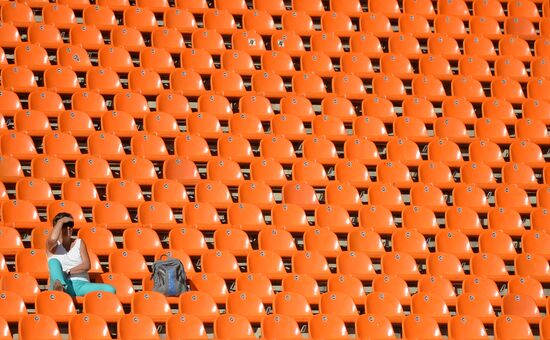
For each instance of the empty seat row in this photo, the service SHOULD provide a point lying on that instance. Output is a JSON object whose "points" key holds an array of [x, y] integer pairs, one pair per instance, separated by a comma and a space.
{"points": [[223, 24], [145, 79], [130, 112], [249, 216], [95, 105], [143, 18], [204, 42], [319, 165], [90, 37], [230, 83], [364, 51], [418, 120], [141, 326], [56, 166], [134, 326], [528, 9], [403, 54], [310, 181], [83, 186], [330, 142], [158, 129], [473, 191]]}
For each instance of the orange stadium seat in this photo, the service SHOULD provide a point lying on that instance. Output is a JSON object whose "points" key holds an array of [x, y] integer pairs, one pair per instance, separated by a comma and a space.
{"points": [[9, 34], [441, 44], [152, 304], [167, 38], [308, 5], [247, 305], [199, 304], [144, 240], [356, 263], [22, 284], [198, 59], [98, 240], [266, 262], [325, 324], [38, 326], [449, 24], [256, 283], [404, 43], [365, 42], [280, 325], [17, 78], [528, 286], [129, 262], [19, 213], [58, 305], [464, 325], [10, 241], [513, 326], [421, 326], [401, 148], [439, 286], [261, 19], [312, 263], [86, 36], [531, 264], [231, 325], [361, 149], [185, 325], [384, 305], [212, 284], [86, 324], [171, 102], [292, 304], [13, 306], [393, 285], [111, 213], [44, 35], [131, 326], [298, 20], [482, 286], [491, 8], [128, 37], [510, 67], [375, 325], [36, 190], [59, 15], [365, 240], [347, 284]]}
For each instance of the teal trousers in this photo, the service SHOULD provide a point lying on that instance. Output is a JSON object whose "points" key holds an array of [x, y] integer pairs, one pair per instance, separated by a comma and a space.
{"points": [[74, 287]]}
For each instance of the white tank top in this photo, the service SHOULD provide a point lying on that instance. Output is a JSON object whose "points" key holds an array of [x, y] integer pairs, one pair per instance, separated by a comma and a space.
{"points": [[70, 259]]}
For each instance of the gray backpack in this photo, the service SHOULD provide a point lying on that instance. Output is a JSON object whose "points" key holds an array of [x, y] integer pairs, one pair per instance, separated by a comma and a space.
{"points": [[169, 276]]}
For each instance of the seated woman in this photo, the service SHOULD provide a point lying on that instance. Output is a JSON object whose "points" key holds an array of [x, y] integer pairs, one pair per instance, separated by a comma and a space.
{"points": [[68, 260]]}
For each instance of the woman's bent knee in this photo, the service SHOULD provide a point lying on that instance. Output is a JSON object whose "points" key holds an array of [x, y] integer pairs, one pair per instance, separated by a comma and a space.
{"points": [[54, 263], [105, 288], [111, 289]]}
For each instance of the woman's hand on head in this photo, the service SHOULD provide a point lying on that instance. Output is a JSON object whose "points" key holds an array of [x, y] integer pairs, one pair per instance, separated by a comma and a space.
{"points": [[64, 220]]}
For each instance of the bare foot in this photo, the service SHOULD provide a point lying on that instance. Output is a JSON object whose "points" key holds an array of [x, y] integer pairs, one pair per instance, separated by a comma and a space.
{"points": [[58, 286]]}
